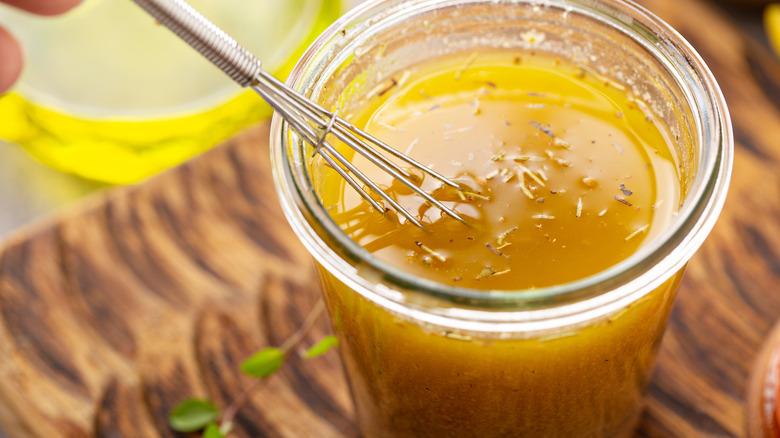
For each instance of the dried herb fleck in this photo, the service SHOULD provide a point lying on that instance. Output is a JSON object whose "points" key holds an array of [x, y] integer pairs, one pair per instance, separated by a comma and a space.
{"points": [[544, 129], [505, 271], [496, 251], [388, 126], [499, 156], [636, 232], [466, 65], [412, 145], [486, 272], [389, 87], [589, 182], [503, 235], [433, 253], [471, 195], [526, 191], [562, 162], [561, 143], [531, 175]]}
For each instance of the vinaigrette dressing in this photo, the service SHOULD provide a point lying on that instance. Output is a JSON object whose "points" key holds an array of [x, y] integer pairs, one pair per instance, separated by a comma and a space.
{"points": [[567, 173]]}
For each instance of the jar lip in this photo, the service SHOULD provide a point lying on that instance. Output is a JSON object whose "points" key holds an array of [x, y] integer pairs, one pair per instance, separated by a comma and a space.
{"points": [[666, 254]]}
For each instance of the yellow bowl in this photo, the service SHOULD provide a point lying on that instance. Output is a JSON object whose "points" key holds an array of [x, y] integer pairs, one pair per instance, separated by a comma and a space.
{"points": [[110, 96]]}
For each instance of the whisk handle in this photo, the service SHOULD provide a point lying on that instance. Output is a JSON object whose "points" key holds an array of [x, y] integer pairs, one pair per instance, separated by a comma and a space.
{"points": [[205, 37]]}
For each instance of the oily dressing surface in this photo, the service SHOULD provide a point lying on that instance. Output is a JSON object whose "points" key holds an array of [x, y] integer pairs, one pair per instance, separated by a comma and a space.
{"points": [[566, 174]]}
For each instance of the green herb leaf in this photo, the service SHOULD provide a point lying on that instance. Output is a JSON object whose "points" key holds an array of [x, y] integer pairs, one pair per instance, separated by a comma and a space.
{"points": [[192, 414], [321, 347], [264, 363], [213, 431]]}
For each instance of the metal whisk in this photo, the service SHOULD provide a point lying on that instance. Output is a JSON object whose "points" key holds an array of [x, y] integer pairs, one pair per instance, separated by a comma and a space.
{"points": [[309, 120]]}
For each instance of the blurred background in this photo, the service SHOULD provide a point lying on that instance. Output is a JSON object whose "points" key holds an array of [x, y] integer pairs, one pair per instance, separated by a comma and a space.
{"points": [[108, 97]]}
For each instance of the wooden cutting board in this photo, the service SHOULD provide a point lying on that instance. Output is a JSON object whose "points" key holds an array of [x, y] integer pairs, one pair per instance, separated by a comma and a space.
{"points": [[114, 311]]}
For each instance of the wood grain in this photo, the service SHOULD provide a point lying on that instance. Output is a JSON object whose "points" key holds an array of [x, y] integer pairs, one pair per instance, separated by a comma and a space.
{"points": [[152, 294], [113, 312], [730, 296]]}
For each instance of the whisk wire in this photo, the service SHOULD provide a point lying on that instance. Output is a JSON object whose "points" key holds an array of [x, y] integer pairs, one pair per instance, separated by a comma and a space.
{"points": [[352, 132], [325, 132], [336, 125], [303, 115], [338, 162], [330, 155], [348, 134]]}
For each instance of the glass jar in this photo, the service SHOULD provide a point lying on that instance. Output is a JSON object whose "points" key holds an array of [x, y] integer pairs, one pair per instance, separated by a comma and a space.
{"points": [[427, 359]]}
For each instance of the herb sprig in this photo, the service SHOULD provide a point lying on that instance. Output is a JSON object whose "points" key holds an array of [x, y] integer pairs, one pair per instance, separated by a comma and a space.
{"points": [[195, 414]]}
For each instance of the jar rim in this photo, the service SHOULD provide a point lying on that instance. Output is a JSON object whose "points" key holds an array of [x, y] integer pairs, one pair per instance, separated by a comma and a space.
{"points": [[612, 288]]}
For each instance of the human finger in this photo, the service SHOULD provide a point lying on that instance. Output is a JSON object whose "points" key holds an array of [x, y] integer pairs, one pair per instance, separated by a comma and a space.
{"points": [[11, 60], [44, 7]]}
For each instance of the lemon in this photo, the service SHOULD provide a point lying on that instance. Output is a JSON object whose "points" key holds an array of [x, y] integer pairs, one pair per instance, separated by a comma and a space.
{"points": [[772, 24], [109, 95]]}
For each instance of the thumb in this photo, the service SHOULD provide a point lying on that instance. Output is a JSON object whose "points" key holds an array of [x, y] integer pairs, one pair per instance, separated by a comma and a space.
{"points": [[43, 7], [10, 60]]}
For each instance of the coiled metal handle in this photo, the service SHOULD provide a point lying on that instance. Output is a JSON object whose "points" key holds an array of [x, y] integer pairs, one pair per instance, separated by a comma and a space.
{"points": [[205, 37]]}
